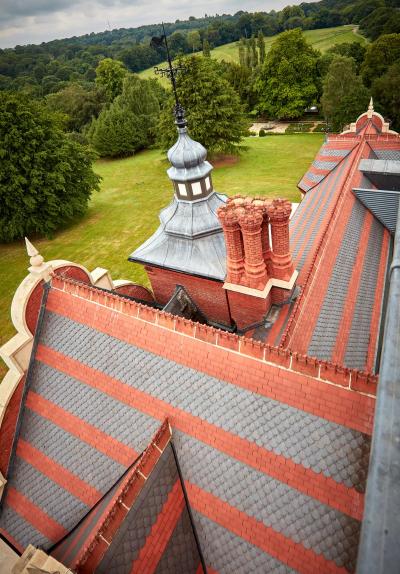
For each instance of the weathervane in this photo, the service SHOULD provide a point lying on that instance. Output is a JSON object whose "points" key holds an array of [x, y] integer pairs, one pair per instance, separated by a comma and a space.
{"points": [[171, 73]]}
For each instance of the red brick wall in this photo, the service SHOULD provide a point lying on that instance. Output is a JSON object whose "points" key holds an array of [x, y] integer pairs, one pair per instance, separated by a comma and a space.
{"points": [[8, 427], [208, 295], [33, 306], [137, 291], [246, 309]]}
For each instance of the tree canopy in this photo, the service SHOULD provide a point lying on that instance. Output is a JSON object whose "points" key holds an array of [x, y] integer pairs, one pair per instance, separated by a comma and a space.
{"points": [[344, 96], [79, 104], [44, 68], [289, 76], [380, 55], [110, 75], [383, 20], [386, 93], [45, 178], [128, 124], [214, 112]]}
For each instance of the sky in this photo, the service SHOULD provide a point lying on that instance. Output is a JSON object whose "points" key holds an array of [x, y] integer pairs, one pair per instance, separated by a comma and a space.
{"points": [[35, 21]]}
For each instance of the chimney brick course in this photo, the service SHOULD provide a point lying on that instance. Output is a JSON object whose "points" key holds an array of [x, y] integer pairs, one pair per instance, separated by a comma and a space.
{"points": [[250, 223], [279, 213]]}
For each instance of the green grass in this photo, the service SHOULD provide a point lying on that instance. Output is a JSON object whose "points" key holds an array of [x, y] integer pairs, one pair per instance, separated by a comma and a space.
{"points": [[321, 39], [125, 212]]}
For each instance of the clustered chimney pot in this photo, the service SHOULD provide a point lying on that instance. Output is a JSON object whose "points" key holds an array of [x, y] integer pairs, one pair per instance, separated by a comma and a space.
{"points": [[246, 223]]}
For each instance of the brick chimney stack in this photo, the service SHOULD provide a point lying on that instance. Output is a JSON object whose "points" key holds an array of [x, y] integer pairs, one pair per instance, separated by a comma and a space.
{"points": [[250, 221], [262, 206], [234, 244], [279, 213], [257, 274]]}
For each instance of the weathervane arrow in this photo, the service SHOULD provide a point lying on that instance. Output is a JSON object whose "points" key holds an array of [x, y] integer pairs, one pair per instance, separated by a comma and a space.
{"points": [[171, 73]]}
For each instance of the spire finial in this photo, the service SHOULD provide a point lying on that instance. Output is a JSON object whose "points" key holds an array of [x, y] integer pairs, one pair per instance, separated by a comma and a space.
{"points": [[38, 266], [371, 108]]}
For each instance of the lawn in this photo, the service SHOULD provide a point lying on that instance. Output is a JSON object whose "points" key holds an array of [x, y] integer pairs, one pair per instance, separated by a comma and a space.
{"points": [[125, 212], [321, 39]]}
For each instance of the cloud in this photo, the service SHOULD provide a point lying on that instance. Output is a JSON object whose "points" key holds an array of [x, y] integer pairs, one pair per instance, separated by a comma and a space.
{"points": [[35, 21], [20, 9]]}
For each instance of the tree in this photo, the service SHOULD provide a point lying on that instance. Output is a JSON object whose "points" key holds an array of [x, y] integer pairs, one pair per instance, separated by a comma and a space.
{"points": [[242, 52], [294, 22], [254, 53], [353, 50], [177, 44], [128, 124], [288, 82], [290, 12], [45, 179], [386, 93], [361, 9], [194, 40], [381, 21], [380, 55], [344, 96], [110, 75], [242, 80], [206, 48], [214, 112], [248, 58], [261, 46], [80, 105]]}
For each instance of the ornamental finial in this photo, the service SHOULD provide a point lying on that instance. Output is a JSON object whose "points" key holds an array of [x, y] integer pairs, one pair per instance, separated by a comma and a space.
{"points": [[371, 108], [38, 266]]}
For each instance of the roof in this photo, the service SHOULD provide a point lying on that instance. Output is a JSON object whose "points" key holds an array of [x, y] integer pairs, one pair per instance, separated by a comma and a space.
{"points": [[190, 239], [340, 238], [383, 173], [143, 519], [182, 305], [329, 157], [379, 549], [98, 390], [382, 204]]}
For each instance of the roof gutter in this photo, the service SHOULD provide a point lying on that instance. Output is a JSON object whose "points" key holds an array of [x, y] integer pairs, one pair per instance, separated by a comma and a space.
{"points": [[379, 550]]}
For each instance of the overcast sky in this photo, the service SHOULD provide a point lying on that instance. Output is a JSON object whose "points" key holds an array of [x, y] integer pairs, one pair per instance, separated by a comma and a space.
{"points": [[35, 21]]}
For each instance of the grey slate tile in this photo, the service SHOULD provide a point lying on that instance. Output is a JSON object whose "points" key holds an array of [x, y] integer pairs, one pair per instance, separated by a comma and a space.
{"points": [[325, 333], [227, 553], [268, 423], [286, 510]]}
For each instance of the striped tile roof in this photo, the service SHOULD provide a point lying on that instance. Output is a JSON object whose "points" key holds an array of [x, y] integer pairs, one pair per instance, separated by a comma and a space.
{"points": [[329, 157], [341, 251], [143, 520], [95, 398]]}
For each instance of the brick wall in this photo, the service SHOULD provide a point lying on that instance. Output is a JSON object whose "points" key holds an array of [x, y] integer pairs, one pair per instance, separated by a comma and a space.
{"points": [[208, 295], [8, 427], [246, 309]]}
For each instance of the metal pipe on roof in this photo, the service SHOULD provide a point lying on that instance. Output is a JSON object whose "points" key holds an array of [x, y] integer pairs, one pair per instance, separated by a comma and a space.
{"points": [[379, 550]]}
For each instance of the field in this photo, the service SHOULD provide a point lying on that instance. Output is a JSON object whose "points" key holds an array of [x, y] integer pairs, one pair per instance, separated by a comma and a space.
{"points": [[125, 212], [320, 39]]}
